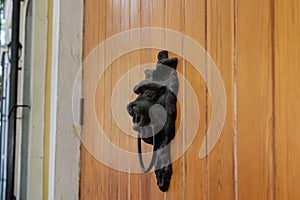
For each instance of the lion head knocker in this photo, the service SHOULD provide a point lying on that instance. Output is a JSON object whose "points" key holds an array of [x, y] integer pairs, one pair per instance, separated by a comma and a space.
{"points": [[154, 114]]}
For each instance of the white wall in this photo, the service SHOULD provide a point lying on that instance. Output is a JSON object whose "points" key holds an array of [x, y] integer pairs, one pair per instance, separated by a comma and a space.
{"points": [[39, 60], [64, 145]]}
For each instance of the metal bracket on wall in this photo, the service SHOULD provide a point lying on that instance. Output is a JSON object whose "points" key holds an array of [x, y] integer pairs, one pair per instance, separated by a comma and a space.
{"points": [[15, 107]]}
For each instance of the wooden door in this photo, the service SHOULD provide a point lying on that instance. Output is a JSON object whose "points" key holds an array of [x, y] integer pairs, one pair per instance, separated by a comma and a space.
{"points": [[255, 45]]}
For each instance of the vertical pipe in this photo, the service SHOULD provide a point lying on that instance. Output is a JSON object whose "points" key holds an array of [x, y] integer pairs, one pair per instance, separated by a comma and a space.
{"points": [[4, 124], [13, 99], [2, 139], [1, 132]]}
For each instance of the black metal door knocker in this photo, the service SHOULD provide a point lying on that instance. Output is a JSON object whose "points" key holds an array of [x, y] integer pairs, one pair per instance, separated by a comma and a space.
{"points": [[154, 113]]}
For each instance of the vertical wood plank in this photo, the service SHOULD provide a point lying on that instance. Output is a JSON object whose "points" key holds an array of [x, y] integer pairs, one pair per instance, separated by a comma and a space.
{"points": [[195, 178], [146, 19], [158, 9], [134, 60], [148, 14], [220, 46], [88, 185], [254, 100], [94, 165], [124, 191], [113, 26], [287, 95], [175, 20], [86, 28], [101, 169], [101, 177]]}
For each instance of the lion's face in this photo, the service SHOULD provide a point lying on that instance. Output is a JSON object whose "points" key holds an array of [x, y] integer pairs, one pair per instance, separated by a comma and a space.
{"points": [[148, 96]]}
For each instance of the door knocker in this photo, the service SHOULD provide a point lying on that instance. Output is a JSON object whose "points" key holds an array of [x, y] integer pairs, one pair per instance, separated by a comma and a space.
{"points": [[154, 113]]}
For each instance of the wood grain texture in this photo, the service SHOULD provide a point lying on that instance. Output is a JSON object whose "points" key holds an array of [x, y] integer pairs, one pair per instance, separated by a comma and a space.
{"points": [[195, 175], [174, 20], [123, 67], [254, 100], [148, 180], [287, 95], [134, 60], [220, 46], [101, 186], [144, 20], [91, 39], [158, 9], [257, 42], [113, 25]]}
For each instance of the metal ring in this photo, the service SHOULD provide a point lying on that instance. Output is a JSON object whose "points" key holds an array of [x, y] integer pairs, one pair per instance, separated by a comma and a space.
{"points": [[141, 162]]}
